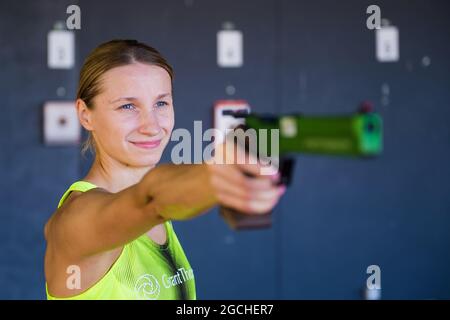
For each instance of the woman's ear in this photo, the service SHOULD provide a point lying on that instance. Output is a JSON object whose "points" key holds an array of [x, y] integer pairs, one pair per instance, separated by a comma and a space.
{"points": [[84, 114]]}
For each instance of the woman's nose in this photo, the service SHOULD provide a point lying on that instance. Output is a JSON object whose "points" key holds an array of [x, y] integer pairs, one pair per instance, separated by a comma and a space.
{"points": [[149, 123]]}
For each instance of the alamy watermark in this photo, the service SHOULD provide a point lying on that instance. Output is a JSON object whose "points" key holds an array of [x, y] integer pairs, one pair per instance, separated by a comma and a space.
{"points": [[374, 20], [374, 280], [74, 20], [73, 281], [262, 145]]}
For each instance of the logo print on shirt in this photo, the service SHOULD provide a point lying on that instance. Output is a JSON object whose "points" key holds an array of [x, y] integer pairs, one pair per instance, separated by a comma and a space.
{"points": [[147, 287]]}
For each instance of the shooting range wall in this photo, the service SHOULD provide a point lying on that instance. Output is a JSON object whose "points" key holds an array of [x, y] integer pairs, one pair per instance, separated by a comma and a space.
{"points": [[315, 57]]}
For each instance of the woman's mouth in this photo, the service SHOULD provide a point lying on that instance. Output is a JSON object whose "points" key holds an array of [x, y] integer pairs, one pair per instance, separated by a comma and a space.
{"points": [[147, 144]]}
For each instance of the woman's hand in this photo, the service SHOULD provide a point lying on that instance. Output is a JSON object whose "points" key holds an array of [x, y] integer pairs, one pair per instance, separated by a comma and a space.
{"points": [[240, 184]]}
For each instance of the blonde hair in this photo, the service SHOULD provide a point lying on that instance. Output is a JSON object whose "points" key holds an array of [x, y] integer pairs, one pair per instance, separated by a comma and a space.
{"points": [[107, 56]]}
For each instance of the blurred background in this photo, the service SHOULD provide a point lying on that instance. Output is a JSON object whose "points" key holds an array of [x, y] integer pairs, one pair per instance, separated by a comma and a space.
{"points": [[314, 57]]}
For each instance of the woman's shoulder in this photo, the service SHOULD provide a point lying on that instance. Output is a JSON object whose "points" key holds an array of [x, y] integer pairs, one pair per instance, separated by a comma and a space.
{"points": [[76, 188]]}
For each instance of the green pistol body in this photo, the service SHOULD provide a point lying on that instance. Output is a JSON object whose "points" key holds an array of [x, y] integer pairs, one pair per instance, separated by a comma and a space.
{"points": [[359, 134]]}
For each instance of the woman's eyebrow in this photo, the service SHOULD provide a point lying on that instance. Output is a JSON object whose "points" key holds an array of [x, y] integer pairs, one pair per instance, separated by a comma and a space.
{"points": [[123, 98], [163, 95]]}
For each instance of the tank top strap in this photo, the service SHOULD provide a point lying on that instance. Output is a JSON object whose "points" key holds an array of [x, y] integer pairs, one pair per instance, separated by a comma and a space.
{"points": [[81, 186]]}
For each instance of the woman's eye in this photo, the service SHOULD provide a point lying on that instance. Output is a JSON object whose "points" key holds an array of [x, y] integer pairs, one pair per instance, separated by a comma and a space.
{"points": [[128, 106], [161, 104]]}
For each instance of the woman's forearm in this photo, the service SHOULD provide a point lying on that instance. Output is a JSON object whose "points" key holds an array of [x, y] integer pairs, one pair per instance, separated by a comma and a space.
{"points": [[177, 192]]}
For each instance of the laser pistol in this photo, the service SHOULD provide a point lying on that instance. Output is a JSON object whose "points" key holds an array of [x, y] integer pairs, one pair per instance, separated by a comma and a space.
{"points": [[356, 135]]}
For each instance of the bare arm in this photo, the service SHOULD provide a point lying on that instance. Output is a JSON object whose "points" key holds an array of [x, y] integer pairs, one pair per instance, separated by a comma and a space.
{"points": [[98, 221], [177, 192]]}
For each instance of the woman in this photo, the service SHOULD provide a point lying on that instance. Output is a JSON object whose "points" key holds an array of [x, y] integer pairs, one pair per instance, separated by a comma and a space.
{"points": [[113, 227]]}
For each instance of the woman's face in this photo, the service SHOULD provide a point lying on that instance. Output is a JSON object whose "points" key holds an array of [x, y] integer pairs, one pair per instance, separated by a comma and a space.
{"points": [[133, 116]]}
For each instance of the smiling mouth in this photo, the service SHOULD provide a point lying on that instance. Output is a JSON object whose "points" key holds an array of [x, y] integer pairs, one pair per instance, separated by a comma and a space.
{"points": [[147, 144]]}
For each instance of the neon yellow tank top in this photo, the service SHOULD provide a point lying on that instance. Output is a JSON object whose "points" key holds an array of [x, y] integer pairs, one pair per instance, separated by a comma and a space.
{"points": [[144, 269]]}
